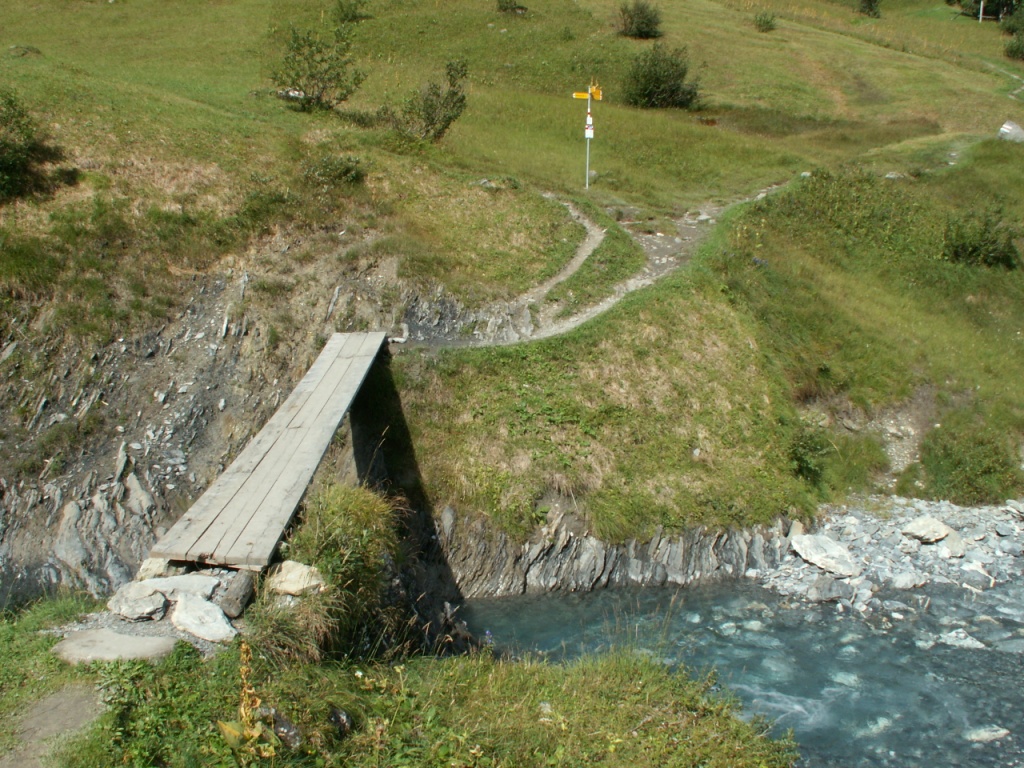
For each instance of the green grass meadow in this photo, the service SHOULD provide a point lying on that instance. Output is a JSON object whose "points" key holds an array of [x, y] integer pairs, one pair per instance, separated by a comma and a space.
{"points": [[714, 397], [683, 404]]}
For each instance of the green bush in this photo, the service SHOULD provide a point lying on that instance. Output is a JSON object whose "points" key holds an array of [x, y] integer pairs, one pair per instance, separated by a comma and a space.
{"points": [[349, 534], [871, 8], [808, 450], [318, 71], [20, 145], [981, 239], [993, 8], [1015, 48], [657, 78], [764, 21], [510, 6], [969, 461], [349, 11], [640, 20], [429, 113], [1014, 23], [333, 171]]}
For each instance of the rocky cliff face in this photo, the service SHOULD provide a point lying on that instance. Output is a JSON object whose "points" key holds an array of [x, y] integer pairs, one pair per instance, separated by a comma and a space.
{"points": [[563, 555]]}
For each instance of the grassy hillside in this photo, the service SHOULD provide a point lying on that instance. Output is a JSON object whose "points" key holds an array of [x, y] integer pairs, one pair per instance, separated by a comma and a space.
{"points": [[760, 379], [682, 405]]}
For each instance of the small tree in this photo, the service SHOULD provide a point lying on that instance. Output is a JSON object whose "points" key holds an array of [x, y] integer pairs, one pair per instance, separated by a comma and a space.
{"points": [[319, 71], [657, 78], [870, 8], [640, 20], [430, 112], [764, 21], [20, 145], [511, 6], [981, 239], [349, 11], [1015, 48]]}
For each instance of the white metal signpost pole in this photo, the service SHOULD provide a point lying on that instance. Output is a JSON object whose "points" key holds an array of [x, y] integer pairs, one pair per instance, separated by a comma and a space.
{"points": [[593, 93]]}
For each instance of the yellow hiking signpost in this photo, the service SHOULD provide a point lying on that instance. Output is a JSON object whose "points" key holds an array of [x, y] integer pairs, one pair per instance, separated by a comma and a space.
{"points": [[593, 93]]}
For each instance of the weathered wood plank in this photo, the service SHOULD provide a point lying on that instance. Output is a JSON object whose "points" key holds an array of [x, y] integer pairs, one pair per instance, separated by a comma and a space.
{"points": [[275, 464], [241, 517], [176, 543], [255, 544]]}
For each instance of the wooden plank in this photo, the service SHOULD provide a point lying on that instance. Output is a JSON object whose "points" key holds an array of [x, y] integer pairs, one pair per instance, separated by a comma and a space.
{"points": [[276, 462], [261, 476], [285, 453], [174, 545], [256, 543]]}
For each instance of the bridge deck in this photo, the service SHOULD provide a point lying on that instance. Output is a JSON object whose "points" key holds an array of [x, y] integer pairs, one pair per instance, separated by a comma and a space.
{"points": [[241, 517]]}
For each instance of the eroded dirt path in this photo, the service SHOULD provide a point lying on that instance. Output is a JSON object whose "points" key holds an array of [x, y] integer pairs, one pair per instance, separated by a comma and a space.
{"points": [[45, 722], [530, 316]]}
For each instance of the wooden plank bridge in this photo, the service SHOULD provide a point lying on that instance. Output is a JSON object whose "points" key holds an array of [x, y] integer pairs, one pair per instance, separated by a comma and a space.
{"points": [[241, 517]]}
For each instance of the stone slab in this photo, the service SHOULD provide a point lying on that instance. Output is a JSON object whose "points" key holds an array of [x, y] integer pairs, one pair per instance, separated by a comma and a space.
{"points": [[203, 619], [927, 529], [107, 645], [826, 554]]}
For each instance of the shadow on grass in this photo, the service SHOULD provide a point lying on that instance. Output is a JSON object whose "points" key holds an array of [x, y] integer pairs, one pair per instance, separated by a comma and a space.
{"points": [[385, 458]]}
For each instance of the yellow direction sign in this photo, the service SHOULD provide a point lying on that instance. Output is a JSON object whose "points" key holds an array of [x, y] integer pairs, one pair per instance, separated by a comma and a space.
{"points": [[579, 95], [595, 92]]}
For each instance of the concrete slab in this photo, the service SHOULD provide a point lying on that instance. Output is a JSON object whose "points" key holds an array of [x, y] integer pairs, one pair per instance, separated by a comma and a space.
{"points": [[107, 645]]}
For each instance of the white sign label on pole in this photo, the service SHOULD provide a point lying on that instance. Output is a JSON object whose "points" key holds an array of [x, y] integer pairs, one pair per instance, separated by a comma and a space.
{"points": [[588, 132]]}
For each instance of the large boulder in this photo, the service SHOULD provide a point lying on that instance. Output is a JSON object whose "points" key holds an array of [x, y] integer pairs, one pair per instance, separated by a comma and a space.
{"points": [[927, 529], [294, 578], [826, 554], [203, 619], [138, 600]]}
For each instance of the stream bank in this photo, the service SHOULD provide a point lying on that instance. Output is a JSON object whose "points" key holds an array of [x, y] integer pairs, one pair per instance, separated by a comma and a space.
{"points": [[912, 658]]}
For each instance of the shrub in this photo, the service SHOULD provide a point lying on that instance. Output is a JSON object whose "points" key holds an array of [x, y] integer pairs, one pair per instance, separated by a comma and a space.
{"points": [[333, 171], [764, 21], [641, 20], [318, 70], [808, 453], [1014, 23], [1015, 48], [981, 239], [967, 461], [430, 112], [993, 8], [511, 6], [349, 11], [657, 78], [20, 144], [871, 8]]}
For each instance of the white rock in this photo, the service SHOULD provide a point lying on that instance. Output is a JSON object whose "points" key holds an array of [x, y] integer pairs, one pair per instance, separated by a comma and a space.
{"points": [[958, 638], [1010, 131], [138, 501], [927, 529], [952, 546], [137, 602], [202, 618], [293, 578], [826, 554], [152, 568], [986, 734], [909, 580], [187, 583]]}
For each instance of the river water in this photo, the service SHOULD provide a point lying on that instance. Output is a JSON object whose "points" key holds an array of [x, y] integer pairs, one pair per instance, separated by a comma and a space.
{"points": [[934, 680]]}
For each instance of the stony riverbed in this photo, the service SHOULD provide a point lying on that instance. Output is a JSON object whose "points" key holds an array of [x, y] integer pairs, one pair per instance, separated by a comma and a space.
{"points": [[907, 650]]}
